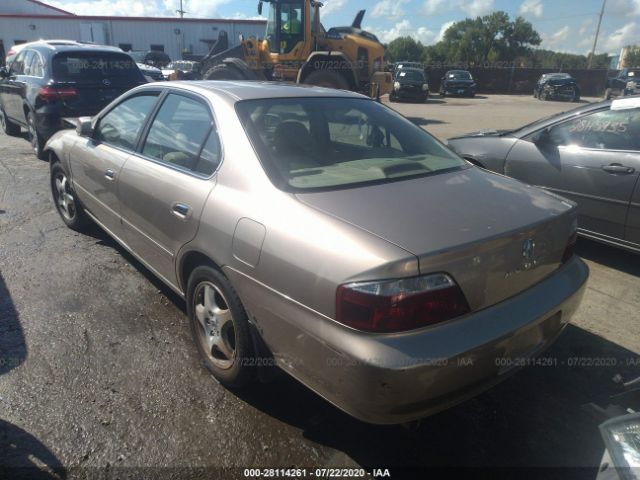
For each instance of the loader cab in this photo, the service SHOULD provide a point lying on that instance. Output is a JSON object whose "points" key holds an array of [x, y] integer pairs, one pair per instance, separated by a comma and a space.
{"points": [[290, 26]]}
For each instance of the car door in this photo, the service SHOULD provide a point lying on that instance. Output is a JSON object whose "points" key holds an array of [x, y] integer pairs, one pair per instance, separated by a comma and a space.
{"points": [[163, 188], [592, 159], [14, 86], [96, 162]]}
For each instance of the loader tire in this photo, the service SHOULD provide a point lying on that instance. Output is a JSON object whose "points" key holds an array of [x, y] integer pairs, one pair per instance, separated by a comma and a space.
{"points": [[223, 72]]}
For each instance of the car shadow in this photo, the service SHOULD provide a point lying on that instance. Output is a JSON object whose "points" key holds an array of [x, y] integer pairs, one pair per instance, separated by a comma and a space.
{"points": [[419, 121], [21, 454], [536, 418], [613, 257], [13, 348], [24, 456]]}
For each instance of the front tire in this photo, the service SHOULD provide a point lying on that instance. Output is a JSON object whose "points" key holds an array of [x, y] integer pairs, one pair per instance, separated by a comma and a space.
{"points": [[607, 94], [67, 204], [8, 127], [220, 327], [37, 143]]}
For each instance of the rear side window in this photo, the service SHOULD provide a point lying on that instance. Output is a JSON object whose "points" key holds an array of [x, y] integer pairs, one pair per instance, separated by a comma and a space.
{"points": [[605, 130], [178, 134], [17, 66], [121, 126], [95, 67]]}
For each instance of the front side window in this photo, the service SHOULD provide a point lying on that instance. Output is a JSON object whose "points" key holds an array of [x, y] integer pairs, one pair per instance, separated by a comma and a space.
{"points": [[603, 130], [36, 67], [122, 125], [324, 143], [178, 134], [17, 66]]}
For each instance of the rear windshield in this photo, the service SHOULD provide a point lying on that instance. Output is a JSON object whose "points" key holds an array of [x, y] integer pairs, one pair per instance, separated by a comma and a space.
{"points": [[324, 143], [92, 67]]}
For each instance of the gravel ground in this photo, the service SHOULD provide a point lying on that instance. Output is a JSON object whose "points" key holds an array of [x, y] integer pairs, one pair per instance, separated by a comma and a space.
{"points": [[98, 374]]}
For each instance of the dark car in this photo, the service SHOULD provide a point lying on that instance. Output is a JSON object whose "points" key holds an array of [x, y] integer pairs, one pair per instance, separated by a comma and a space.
{"points": [[557, 86], [626, 83], [410, 84], [49, 81], [590, 155], [154, 58], [458, 82]]}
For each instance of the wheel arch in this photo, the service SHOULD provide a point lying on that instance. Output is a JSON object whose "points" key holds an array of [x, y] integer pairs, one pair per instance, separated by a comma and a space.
{"points": [[189, 261]]}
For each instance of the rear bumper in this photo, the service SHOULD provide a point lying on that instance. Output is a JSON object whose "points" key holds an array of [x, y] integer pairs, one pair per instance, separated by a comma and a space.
{"points": [[411, 94], [387, 379], [462, 91]]}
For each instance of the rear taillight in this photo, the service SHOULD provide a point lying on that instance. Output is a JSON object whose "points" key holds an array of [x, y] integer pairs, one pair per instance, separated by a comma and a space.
{"points": [[570, 248], [399, 305], [50, 94]]}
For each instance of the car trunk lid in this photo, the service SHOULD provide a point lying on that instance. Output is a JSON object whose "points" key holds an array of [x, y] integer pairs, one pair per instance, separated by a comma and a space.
{"points": [[494, 235]]}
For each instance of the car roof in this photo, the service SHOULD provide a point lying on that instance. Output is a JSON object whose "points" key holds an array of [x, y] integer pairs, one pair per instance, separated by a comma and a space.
{"points": [[69, 45], [234, 91]]}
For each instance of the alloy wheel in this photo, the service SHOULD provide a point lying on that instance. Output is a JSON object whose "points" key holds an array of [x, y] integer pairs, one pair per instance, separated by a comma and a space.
{"points": [[64, 198], [217, 332]]}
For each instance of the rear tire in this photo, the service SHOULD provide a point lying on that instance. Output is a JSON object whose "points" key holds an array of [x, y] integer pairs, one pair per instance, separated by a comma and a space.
{"points": [[223, 72], [66, 202], [37, 143], [392, 97], [8, 127], [220, 327], [327, 79]]}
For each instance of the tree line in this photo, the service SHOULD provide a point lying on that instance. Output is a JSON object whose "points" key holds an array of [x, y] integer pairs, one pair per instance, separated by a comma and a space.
{"points": [[491, 40]]}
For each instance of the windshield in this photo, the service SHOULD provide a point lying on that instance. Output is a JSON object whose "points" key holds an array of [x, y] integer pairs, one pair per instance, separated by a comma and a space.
{"points": [[322, 143], [184, 66], [137, 56], [411, 75], [460, 75], [92, 67], [558, 76]]}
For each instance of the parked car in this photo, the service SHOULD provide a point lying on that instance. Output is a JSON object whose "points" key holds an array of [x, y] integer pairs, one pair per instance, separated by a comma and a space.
{"points": [[458, 82], [626, 83], [180, 69], [557, 86], [49, 82], [153, 58], [152, 74], [410, 84], [590, 155], [309, 227]]}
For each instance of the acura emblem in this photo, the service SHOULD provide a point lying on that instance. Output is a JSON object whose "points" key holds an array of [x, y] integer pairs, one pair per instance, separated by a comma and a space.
{"points": [[528, 253], [106, 82]]}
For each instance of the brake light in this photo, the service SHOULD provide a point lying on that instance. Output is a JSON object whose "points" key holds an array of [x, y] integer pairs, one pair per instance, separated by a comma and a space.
{"points": [[399, 305], [570, 248], [50, 94]]}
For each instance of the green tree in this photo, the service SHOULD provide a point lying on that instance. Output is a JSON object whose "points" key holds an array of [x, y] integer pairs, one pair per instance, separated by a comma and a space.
{"points": [[405, 49], [632, 58]]}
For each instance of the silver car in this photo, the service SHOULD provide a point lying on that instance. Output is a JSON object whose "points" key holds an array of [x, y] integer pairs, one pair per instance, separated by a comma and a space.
{"points": [[590, 155], [319, 230]]}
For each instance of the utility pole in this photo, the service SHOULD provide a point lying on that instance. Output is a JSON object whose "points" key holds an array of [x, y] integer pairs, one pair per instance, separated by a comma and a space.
{"points": [[181, 11], [595, 40]]}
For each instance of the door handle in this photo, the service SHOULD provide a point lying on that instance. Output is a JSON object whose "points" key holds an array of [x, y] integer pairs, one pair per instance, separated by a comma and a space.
{"points": [[618, 168], [110, 174], [181, 210]]}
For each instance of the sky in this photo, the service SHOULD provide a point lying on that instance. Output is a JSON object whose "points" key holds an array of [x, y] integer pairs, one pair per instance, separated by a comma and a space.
{"points": [[565, 25]]}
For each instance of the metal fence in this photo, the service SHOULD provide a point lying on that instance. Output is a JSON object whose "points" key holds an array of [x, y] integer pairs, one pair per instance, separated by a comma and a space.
{"points": [[521, 80]]}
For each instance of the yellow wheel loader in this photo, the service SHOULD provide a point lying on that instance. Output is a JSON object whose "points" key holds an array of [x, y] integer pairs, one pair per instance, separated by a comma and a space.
{"points": [[297, 48]]}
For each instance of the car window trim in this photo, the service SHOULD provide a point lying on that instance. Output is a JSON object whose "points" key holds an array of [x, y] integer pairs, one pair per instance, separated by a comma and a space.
{"points": [[528, 136], [104, 113], [36, 54], [213, 128]]}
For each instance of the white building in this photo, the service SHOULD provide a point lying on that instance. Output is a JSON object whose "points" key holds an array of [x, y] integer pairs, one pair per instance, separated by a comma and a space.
{"points": [[28, 20]]}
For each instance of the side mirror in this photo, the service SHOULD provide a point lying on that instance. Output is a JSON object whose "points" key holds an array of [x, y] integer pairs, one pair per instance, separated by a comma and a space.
{"points": [[259, 8], [4, 72], [84, 127]]}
